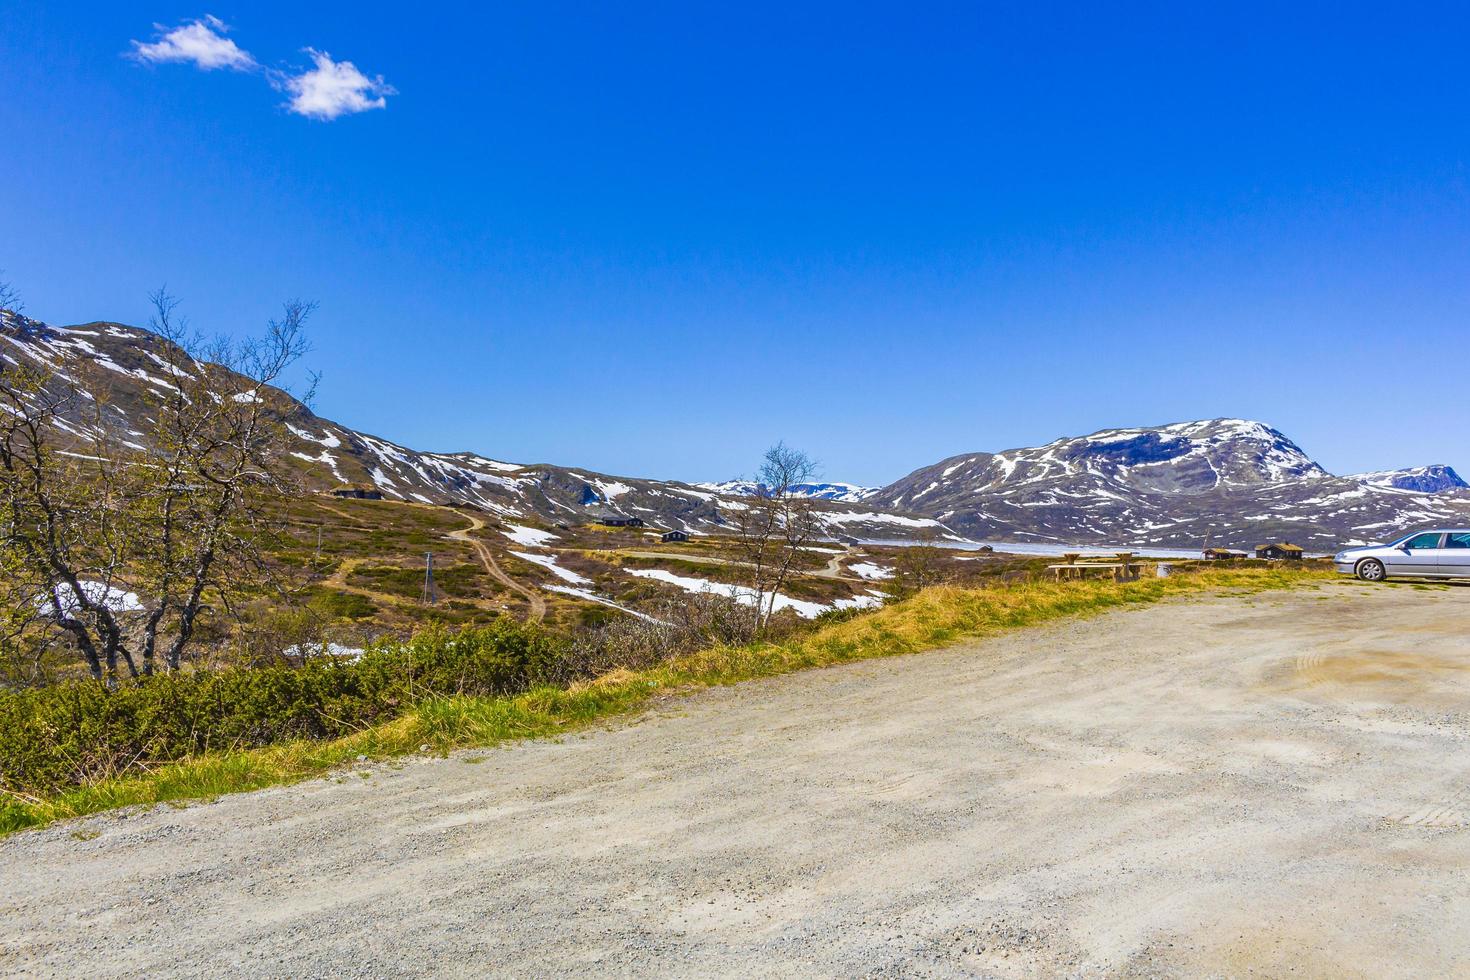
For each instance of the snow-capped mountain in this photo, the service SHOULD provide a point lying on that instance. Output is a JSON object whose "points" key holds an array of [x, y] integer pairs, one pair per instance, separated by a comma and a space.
{"points": [[845, 492], [116, 366], [1230, 482], [1423, 479]]}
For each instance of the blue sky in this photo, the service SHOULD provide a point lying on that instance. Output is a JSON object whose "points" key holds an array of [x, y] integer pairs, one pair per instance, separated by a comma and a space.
{"points": [[652, 239]]}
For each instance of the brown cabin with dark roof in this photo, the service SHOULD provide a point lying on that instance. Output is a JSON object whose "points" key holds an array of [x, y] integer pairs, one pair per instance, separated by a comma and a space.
{"points": [[358, 492]]}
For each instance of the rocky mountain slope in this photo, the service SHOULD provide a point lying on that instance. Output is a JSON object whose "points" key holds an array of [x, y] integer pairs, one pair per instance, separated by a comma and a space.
{"points": [[1228, 482], [844, 492], [116, 366], [1424, 479]]}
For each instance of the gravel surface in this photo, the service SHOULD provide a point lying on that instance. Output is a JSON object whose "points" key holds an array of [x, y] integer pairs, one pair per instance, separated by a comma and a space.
{"points": [[1266, 784]]}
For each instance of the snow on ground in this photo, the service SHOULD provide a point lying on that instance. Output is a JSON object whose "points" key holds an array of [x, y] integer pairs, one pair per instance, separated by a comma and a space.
{"points": [[493, 464], [115, 599], [328, 440], [320, 650], [849, 516], [549, 563], [529, 537], [870, 601], [327, 458], [870, 571], [612, 490], [747, 596], [603, 600], [847, 492]]}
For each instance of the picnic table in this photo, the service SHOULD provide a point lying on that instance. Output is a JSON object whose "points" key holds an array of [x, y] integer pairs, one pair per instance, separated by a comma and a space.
{"points": [[1122, 569]]}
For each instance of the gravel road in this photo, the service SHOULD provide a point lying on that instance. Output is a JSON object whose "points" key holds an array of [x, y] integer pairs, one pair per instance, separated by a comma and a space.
{"points": [[1266, 784]]}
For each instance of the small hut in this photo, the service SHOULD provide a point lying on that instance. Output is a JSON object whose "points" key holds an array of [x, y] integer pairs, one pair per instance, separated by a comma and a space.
{"points": [[671, 536], [1222, 554], [357, 491], [610, 519], [1284, 551]]}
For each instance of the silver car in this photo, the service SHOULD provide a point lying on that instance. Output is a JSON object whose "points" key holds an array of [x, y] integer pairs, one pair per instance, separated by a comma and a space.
{"points": [[1444, 553]]}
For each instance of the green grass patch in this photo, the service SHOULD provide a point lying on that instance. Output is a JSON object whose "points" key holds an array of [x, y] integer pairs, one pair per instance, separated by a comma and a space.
{"points": [[930, 619]]}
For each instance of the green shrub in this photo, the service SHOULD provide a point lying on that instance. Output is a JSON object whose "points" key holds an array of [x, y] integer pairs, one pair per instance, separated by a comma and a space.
{"points": [[76, 733], [344, 605]]}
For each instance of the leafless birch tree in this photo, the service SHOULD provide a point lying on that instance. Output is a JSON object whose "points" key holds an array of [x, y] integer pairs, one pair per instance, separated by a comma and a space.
{"points": [[121, 541], [774, 524]]}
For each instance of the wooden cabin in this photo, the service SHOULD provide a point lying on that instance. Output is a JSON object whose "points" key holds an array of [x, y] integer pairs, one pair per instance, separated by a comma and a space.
{"points": [[358, 492], [671, 536], [1285, 551], [618, 520], [1222, 554]]}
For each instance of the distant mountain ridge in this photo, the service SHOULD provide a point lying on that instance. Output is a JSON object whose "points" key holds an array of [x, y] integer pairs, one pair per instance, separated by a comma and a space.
{"points": [[1423, 479], [845, 492], [116, 366], [1230, 482]]}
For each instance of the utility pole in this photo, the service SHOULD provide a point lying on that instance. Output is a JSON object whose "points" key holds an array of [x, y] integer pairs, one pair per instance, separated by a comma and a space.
{"points": [[429, 578]]}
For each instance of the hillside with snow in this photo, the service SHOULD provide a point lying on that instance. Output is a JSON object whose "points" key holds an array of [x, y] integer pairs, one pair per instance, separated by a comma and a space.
{"points": [[1422, 479], [116, 367], [842, 492], [1229, 482]]}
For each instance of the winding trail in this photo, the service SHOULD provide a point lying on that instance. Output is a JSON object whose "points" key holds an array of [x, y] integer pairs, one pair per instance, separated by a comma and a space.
{"points": [[537, 611], [834, 569], [338, 581]]}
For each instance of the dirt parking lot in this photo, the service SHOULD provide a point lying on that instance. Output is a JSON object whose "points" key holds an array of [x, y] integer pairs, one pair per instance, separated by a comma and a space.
{"points": [[1267, 784]]}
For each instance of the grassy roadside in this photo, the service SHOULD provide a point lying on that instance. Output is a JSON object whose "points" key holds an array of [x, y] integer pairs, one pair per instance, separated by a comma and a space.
{"points": [[928, 620]]}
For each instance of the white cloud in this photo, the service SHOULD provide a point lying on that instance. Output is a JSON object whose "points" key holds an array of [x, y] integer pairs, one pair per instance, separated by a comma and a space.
{"points": [[334, 88], [327, 90], [200, 42]]}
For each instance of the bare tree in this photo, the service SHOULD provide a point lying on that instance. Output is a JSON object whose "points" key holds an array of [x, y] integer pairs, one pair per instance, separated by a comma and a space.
{"points": [[775, 523], [919, 565], [10, 299], [669, 629], [122, 540]]}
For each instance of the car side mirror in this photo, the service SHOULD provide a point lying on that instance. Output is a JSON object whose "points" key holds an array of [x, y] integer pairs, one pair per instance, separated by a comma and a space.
{"points": [[1401, 547]]}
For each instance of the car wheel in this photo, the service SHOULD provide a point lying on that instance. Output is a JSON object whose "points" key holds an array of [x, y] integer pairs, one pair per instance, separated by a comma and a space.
{"points": [[1372, 570]]}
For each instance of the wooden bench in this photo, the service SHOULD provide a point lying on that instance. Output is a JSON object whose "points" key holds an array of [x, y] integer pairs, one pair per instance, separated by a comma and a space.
{"points": [[1124, 569]]}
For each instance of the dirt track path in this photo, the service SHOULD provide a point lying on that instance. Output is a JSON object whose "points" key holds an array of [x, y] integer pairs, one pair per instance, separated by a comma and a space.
{"points": [[537, 611], [1271, 784], [338, 580]]}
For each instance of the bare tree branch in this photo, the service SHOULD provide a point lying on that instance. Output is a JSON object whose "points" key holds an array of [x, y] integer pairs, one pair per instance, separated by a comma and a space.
{"points": [[775, 524], [122, 546]]}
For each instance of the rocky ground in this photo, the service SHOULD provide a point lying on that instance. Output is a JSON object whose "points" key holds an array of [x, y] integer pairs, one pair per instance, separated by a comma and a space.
{"points": [[1271, 784]]}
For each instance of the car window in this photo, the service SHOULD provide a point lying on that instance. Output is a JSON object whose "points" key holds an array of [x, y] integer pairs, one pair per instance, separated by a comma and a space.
{"points": [[1428, 540], [1457, 539]]}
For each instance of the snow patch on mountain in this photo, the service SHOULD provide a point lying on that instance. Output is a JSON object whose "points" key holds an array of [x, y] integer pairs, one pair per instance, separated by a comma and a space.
{"points": [[1419, 479], [842, 492]]}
